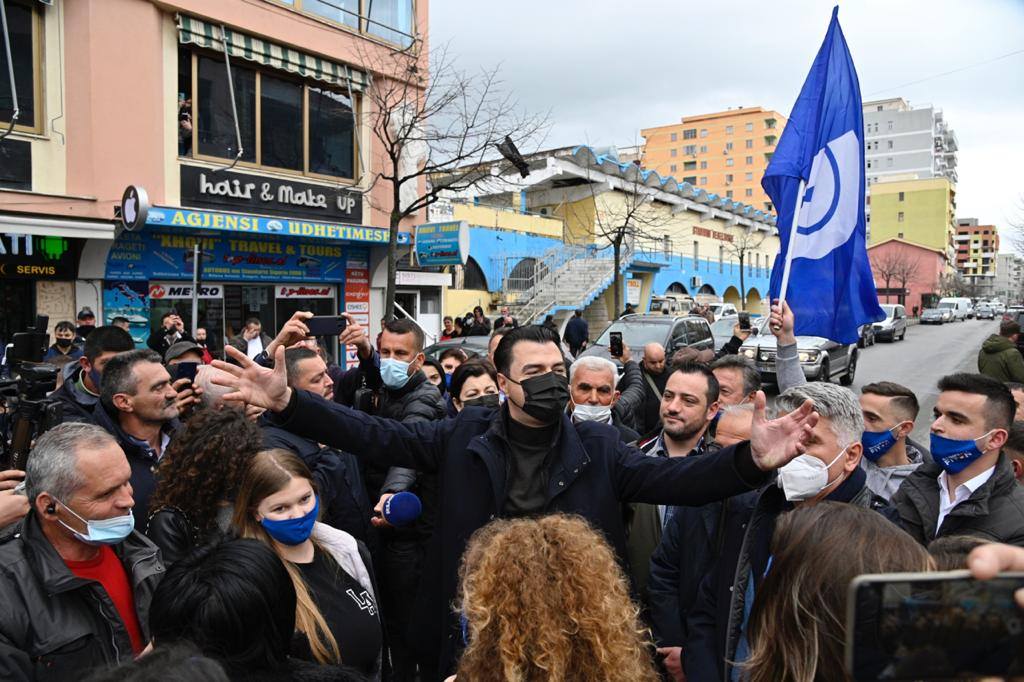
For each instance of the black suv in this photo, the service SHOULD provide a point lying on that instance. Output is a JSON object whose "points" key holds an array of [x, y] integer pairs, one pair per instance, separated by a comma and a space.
{"points": [[671, 332]]}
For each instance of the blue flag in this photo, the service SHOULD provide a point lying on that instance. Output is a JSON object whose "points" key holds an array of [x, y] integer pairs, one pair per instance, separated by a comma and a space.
{"points": [[831, 289]]}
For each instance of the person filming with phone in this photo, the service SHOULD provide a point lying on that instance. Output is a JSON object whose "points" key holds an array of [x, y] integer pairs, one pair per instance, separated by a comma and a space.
{"points": [[524, 458]]}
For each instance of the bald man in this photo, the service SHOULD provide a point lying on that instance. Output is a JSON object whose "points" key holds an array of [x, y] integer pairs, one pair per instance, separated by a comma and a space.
{"points": [[655, 375]]}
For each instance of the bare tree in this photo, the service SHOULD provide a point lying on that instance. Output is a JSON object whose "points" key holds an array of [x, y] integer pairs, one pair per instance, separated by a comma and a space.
{"points": [[887, 267], [435, 130], [1016, 231], [907, 273], [742, 245]]}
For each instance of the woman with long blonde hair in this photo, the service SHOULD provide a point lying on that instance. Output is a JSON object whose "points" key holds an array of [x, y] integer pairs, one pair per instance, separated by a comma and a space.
{"points": [[544, 599], [336, 600]]}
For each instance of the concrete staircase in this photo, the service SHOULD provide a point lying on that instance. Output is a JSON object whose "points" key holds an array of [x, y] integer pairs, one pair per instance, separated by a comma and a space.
{"points": [[574, 277]]}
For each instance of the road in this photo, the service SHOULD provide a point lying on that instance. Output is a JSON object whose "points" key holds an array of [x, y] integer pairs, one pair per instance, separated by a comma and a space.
{"points": [[928, 353]]}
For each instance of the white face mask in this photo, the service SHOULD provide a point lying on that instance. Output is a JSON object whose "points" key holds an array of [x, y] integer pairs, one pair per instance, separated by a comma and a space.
{"points": [[806, 476], [592, 413]]}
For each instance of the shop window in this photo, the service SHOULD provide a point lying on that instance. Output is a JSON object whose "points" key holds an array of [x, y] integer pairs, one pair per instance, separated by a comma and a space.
{"points": [[300, 126], [215, 120], [24, 25]]}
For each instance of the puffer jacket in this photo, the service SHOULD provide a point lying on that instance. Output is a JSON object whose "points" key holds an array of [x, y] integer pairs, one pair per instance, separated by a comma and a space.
{"points": [[994, 511], [1000, 359], [57, 626]]}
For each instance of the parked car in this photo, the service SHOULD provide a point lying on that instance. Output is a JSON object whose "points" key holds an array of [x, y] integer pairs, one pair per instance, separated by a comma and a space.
{"points": [[720, 310], [473, 346], [867, 336], [934, 316], [820, 359], [722, 330], [1014, 312], [672, 332], [949, 315], [894, 326], [985, 312]]}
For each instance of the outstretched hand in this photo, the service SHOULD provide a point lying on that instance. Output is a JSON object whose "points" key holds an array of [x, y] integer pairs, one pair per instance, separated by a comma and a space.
{"points": [[775, 442], [252, 384], [988, 561]]}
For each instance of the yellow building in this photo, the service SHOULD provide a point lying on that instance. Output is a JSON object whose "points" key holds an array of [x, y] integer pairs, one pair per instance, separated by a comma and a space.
{"points": [[921, 211], [723, 153]]}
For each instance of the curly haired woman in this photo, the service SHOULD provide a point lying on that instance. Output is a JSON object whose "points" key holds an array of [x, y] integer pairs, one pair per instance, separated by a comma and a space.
{"points": [[544, 599], [198, 478]]}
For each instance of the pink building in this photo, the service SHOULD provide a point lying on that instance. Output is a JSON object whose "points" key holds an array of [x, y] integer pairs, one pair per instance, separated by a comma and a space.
{"points": [[907, 273], [119, 93]]}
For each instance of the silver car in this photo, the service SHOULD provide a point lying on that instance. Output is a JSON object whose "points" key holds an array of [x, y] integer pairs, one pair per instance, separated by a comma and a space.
{"points": [[820, 358], [894, 326], [933, 316]]}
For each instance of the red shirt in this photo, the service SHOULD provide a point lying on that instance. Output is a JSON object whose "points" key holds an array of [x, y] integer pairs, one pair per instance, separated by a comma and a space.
{"points": [[106, 569]]}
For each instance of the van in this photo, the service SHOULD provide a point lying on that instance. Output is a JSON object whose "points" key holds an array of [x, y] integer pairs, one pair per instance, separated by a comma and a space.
{"points": [[961, 307]]}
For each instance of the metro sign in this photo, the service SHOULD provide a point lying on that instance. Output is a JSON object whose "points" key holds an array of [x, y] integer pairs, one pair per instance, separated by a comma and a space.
{"points": [[304, 291], [170, 290]]}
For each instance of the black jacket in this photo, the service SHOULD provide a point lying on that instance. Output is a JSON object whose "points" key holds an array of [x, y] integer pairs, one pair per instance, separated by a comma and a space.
{"points": [[78, 405], [57, 626], [577, 332], [649, 416], [590, 474], [141, 458], [343, 501], [170, 529], [715, 621], [631, 396], [994, 511], [160, 340]]}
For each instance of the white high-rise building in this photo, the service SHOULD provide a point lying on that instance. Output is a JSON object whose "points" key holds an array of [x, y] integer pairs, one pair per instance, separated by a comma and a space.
{"points": [[901, 140]]}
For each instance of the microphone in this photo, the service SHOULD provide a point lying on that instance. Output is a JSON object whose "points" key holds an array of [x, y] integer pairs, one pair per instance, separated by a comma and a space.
{"points": [[401, 509]]}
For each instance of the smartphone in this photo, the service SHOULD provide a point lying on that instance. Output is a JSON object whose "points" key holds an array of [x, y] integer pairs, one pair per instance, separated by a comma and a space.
{"points": [[326, 325], [934, 626], [186, 370], [744, 321], [616, 344]]}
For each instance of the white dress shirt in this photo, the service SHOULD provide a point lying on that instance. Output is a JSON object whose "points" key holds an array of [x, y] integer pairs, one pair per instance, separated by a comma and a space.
{"points": [[962, 492], [255, 347]]}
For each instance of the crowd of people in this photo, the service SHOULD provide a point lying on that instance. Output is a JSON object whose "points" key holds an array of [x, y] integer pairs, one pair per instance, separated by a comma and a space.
{"points": [[513, 515]]}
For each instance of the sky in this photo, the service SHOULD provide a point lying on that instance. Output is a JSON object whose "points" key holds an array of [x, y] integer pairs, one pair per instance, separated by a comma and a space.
{"points": [[605, 69]]}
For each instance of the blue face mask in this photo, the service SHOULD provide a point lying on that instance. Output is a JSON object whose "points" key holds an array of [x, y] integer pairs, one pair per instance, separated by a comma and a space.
{"points": [[293, 531], [877, 443], [448, 380], [394, 373], [95, 377], [955, 455], [102, 532]]}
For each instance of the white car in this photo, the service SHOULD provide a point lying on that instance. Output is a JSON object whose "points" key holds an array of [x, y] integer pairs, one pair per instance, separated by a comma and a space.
{"points": [[720, 310]]}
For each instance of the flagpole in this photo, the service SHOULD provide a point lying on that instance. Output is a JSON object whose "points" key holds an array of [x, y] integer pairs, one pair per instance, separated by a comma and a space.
{"points": [[792, 241]]}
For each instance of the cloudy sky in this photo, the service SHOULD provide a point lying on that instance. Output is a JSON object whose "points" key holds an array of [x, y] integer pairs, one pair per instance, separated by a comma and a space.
{"points": [[607, 69]]}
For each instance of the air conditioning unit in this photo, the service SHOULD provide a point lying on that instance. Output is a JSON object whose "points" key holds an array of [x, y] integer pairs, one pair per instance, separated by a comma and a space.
{"points": [[696, 281]]}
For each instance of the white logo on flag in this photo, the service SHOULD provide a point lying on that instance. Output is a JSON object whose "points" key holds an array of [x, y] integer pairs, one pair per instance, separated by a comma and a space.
{"points": [[832, 198]]}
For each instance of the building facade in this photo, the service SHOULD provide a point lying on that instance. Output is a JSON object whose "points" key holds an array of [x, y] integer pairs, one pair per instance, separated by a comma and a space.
{"points": [[1008, 286], [904, 140], [677, 239], [288, 219], [907, 273], [920, 211], [976, 250], [723, 153]]}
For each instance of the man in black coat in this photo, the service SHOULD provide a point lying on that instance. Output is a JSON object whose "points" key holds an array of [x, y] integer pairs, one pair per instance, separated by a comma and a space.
{"points": [[970, 488], [577, 333], [171, 331], [524, 458], [80, 392], [73, 600]]}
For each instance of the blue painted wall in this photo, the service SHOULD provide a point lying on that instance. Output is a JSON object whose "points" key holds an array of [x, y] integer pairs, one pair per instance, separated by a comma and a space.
{"points": [[489, 248], [681, 269]]}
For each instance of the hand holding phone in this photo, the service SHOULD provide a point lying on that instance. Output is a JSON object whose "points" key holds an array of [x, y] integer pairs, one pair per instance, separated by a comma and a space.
{"points": [[615, 346], [186, 370], [744, 318], [326, 325]]}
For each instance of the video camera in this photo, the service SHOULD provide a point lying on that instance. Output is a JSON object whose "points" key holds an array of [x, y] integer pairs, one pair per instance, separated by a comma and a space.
{"points": [[27, 412]]}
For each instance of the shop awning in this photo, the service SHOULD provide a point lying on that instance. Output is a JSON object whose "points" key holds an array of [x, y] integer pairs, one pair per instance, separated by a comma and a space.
{"points": [[192, 31], [55, 227]]}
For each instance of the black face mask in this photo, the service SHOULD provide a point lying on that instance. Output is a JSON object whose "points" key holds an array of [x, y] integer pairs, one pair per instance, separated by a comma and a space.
{"points": [[486, 400], [64, 343], [546, 396]]}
